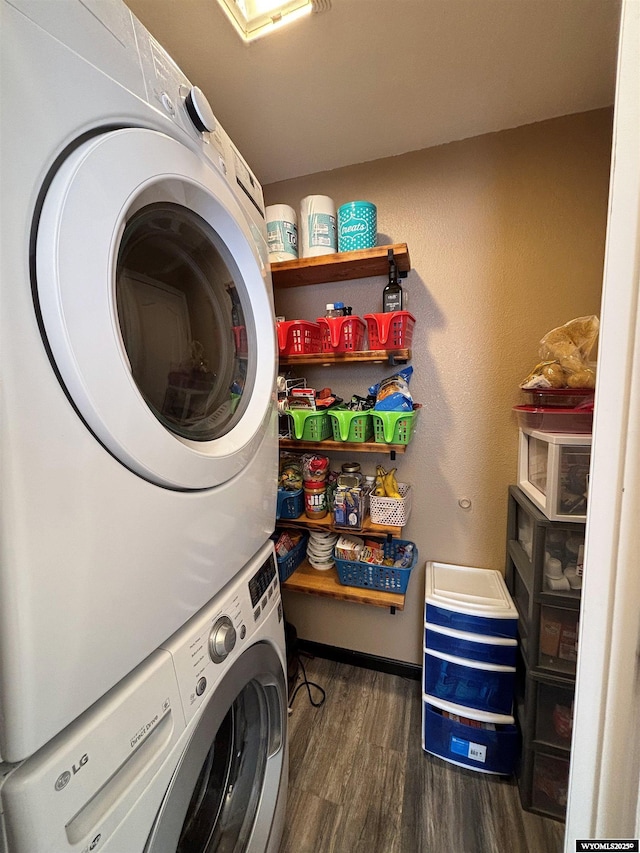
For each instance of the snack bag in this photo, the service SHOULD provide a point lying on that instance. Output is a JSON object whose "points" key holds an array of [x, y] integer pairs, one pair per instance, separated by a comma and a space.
{"points": [[290, 477], [564, 352], [392, 394]]}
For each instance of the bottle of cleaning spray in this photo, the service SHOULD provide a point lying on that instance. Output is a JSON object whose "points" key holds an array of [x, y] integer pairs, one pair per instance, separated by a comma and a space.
{"points": [[392, 294]]}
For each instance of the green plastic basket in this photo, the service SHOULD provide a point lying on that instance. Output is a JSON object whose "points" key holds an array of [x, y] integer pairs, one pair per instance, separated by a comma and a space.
{"points": [[309, 425], [351, 426], [394, 427]]}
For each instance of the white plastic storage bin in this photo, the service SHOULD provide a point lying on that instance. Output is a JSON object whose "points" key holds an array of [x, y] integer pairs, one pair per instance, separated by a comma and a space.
{"points": [[553, 471], [488, 743], [469, 599]]}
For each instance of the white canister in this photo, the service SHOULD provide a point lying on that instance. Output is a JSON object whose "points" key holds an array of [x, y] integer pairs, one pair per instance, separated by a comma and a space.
{"points": [[282, 233], [318, 234]]}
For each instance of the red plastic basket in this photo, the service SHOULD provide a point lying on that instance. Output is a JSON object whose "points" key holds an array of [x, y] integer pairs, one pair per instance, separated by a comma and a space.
{"points": [[342, 334], [240, 338], [299, 337], [393, 330]]}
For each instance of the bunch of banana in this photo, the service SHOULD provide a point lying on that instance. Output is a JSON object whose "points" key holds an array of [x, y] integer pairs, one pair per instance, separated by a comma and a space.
{"points": [[386, 483]]}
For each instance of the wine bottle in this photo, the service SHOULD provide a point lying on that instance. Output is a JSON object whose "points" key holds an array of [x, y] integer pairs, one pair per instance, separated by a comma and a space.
{"points": [[392, 293]]}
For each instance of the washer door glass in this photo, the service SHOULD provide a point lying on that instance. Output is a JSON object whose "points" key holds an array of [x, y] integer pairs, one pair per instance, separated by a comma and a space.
{"points": [[228, 791], [224, 804], [182, 321], [157, 308]]}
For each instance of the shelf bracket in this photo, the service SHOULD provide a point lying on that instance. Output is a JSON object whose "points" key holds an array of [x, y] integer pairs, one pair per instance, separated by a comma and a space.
{"points": [[392, 455], [393, 359], [392, 611], [399, 273]]}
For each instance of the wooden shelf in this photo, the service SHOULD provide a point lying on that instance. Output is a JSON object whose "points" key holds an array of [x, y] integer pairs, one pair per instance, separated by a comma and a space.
{"points": [[329, 446], [326, 523], [326, 359], [311, 581], [341, 266]]}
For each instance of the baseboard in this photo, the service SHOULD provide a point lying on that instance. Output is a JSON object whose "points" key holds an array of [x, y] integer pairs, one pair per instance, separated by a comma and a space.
{"points": [[361, 659]]}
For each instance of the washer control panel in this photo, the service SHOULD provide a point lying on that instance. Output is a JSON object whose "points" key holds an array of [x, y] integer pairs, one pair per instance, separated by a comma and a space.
{"points": [[205, 648], [261, 585]]}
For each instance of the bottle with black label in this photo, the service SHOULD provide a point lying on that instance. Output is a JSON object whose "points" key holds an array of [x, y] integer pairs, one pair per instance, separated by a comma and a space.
{"points": [[392, 294]]}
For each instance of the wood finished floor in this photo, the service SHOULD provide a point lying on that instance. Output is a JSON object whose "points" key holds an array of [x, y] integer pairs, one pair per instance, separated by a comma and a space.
{"points": [[359, 781]]}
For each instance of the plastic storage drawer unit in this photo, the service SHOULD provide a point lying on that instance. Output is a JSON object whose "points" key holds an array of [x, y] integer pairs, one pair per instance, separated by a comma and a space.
{"points": [[550, 785], [463, 644], [489, 743], [553, 471], [482, 686], [554, 711], [469, 599]]}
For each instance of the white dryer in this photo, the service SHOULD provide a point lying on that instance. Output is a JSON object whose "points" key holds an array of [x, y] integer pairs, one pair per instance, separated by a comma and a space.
{"points": [[188, 753], [137, 359]]}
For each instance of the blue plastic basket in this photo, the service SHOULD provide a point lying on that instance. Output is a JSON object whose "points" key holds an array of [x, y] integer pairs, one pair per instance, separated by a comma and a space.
{"points": [[290, 562], [290, 504], [368, 576]]}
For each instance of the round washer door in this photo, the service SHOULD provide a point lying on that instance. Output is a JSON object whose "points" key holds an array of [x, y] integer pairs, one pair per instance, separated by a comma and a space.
{"points": [[157, 308], [230, 782]]}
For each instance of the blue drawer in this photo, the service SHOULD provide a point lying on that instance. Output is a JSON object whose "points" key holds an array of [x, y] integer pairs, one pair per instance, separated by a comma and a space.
{"points": [[485, 687], [488, 750], [473, 624], [462, 644]]}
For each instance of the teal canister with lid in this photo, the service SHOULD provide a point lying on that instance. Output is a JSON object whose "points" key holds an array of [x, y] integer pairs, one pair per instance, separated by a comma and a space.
{"points": [[357, 226]]}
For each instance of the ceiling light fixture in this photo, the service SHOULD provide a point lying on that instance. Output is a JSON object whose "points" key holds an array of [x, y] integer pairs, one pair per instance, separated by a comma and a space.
{"points": [[255, 18]]}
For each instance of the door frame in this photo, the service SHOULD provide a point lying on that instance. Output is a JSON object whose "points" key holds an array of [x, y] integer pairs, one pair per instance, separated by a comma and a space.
{"points": [[605, 754]]}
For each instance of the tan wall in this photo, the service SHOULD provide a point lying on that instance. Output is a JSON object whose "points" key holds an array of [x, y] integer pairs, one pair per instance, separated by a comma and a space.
{"points": [[506, 236]]}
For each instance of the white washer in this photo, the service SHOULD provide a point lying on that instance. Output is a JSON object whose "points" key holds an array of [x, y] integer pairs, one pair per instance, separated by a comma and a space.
{"points": [[137, 359], [186, 754]]}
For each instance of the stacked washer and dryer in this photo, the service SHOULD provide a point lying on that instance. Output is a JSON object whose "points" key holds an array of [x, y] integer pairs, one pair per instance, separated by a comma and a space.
{"points": [[142, 659]]}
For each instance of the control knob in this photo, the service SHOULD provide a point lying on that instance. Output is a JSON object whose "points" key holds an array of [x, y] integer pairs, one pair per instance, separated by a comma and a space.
{"points": [[199, 110], [222, 639]]}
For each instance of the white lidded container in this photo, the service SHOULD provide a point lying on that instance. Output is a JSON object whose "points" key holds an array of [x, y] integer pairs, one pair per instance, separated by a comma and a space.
{"points": [[465, 598]]}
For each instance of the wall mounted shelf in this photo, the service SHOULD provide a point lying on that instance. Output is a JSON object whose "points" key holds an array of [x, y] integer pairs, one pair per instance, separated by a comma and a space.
{"points": [[331, 446], [310, 581], [369, 528], [340, 266], [324, 359]]}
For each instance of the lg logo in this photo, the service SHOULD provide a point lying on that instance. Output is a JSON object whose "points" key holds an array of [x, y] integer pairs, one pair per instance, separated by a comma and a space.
{"points": [[64, 778]]}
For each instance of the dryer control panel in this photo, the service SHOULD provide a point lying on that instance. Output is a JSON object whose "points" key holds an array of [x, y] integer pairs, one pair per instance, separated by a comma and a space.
{"points": [[169, 89]]}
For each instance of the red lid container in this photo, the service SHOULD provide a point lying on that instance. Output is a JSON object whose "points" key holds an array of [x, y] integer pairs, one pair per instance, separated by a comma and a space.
{"points": [[565, 398], [556, 419]]}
